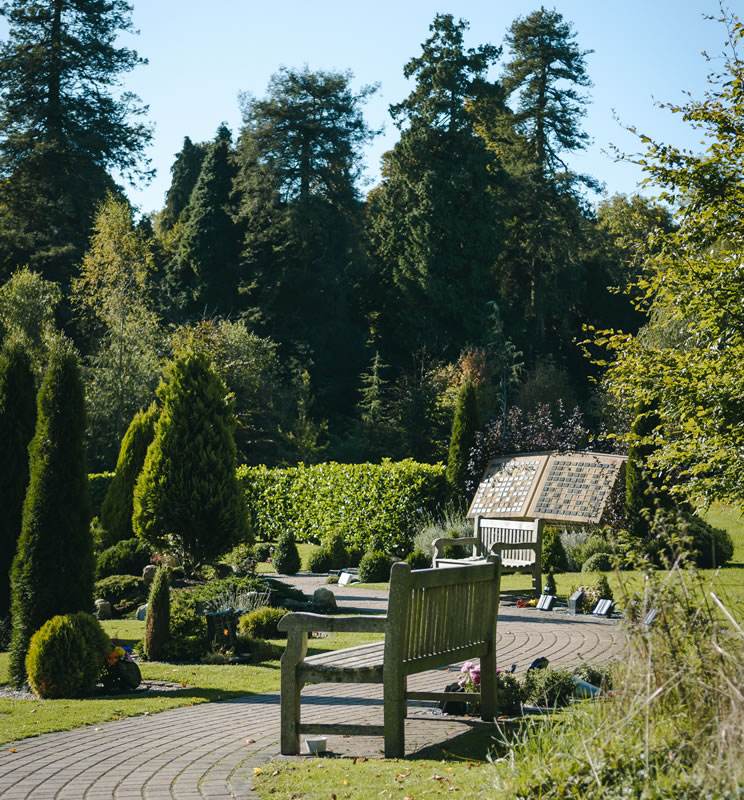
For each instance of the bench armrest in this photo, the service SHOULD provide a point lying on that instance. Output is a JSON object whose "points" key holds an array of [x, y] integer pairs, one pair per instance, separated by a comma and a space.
{"points": [[306, 621], [440, 544]]}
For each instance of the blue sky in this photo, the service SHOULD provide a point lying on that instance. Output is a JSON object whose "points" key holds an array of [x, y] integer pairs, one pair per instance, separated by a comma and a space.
{"points": [[201, 55]]}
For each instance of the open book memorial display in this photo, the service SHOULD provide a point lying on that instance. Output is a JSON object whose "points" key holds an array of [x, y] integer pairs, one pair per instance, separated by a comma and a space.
{"points": [[554, 487]]}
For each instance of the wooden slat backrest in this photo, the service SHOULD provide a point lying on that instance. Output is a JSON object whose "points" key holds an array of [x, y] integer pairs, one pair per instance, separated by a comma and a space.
{"points": [[437, 613], [508, 532]]}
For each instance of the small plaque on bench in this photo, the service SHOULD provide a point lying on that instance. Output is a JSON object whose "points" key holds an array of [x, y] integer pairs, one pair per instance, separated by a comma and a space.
{"points": [[574, 602], [545, 603], [603, 608]]}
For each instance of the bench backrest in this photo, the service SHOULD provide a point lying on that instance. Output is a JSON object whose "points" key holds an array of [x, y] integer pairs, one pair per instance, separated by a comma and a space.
{"points": [[519, 542], [437, 616]]}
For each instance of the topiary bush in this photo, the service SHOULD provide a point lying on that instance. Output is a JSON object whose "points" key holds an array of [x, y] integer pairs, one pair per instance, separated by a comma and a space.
{"points": [[419, 560], [286, 556], [599, 562], [510, 694], [66, 656], [261, 623], [712, 547], [320, 560], [157, 623], [124, 592], [548, 687], [553, 553], [375, 567], [128, 557], [602, 587]]}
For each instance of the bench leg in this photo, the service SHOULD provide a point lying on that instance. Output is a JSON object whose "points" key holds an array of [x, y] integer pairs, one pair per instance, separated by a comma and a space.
{"points": [[394, 710], [488, 687], [291, 689]]}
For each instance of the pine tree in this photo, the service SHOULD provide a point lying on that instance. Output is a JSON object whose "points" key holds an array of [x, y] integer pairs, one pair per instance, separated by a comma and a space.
{"points": [[205, 269], [118, 505], [63, 127], [464, 428], [187, 497], [433, 222], [54, 566], [304, 265], [17, 422], [157, 623], [185, 172]]}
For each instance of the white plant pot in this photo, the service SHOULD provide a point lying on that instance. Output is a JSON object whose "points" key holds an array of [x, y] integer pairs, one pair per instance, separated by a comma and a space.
{"points": [[316, 744]]}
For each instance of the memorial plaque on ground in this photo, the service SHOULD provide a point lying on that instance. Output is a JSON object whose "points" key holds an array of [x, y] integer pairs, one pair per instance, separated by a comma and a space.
{"points": [[561, 487]]}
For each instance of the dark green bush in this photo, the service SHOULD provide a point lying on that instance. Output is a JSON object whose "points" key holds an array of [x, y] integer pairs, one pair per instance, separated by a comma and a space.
{"points": [[261, 623], [98, 486], [124, 592], [286, 555], [262, 551], [712, 547], [510, 694], [548, 687], [374, 506], [419, 560], [66, 656], [188, 628], [320, 560], [128, 557], [550, 583], [596, 675], [157, 623], [599, 562], [553, 552], [602, 587], [337, 550], [375, 567]]}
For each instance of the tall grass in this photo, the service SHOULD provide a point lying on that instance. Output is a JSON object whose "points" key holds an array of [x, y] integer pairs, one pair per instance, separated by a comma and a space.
{"points": [[674, 728]]}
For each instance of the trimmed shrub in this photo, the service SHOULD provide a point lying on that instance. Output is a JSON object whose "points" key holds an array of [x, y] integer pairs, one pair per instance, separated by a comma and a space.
{"points": [[464, 426], [118, 505], [375, 567], [261, 623], [510, 694], [602, 587], [157, 623], [550, 583], [128, 557], [188, 484], [66, 656], [286, 555], [599, 562], [262, 551], [124, 592], [337, 550], [374, 506], [553, 553], [188, 629], [548, 687], [54, 566], [419, 560], [712, 547], [17, 421], [320, 560]]}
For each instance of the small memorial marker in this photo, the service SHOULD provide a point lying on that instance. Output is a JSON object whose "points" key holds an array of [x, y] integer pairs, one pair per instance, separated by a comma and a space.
{"points": [[603, 608], [545, 603], [574, 602]]}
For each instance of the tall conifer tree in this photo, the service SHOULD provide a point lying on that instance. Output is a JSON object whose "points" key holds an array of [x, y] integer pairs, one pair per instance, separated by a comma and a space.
{"points": [[53, 570], [17, 422], [464, 428], [63, 127], [185, 173]]}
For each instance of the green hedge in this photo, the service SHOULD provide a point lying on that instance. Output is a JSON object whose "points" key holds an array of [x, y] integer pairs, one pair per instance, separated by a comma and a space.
{"points": [[374, 506], [98, 484]]}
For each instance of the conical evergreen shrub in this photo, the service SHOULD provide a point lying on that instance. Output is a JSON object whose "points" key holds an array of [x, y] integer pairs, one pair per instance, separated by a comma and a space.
{"points": [[118, 505], [286, 556], [464, 427], [187, 498], [54, 566], [17, 421], [157, 624]]}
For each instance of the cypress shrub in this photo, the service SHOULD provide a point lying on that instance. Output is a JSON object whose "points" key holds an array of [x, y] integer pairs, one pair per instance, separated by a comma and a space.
{"points": [[464, 427], [118, 505], [286, 555], [54, 566], [553, 552], [157, 624], [17, 421], [187, 495]]}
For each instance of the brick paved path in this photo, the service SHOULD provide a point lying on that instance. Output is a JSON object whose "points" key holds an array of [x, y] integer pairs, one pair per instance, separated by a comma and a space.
{"points": [[208, 752]]}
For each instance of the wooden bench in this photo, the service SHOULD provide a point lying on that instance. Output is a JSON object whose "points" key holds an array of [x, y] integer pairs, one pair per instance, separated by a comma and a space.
{"points": [[518, 543], [435, 618]]}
